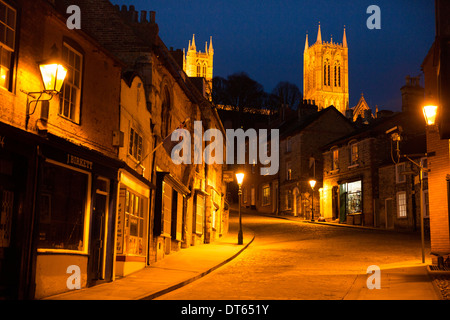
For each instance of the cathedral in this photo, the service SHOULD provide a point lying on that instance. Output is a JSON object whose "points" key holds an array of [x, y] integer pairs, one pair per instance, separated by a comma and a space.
{"points": [[197, 64], [325, 73]]}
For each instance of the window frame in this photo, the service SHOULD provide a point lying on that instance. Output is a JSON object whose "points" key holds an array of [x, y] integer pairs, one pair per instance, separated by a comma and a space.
{"points": [[135, 148], [402, 208], [400, 178], [265, 201], [67, 45], [11, 54]]}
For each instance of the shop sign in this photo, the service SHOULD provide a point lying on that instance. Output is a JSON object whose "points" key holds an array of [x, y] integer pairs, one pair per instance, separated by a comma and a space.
{"points": [[79, 162]]}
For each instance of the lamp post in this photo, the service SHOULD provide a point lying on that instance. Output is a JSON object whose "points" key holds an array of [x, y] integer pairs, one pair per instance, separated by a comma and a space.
{"points": [[240, 179], [312, 183]]}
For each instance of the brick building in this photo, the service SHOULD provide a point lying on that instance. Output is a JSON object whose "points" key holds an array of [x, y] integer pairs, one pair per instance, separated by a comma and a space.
{"points": [[436, 70]]}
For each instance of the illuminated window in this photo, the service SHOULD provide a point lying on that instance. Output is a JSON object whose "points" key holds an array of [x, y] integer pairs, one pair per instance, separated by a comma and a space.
{"points": [[401, 205], [335, 163], [134, 223], [354, 153], [288, 171], [63, 206], [266, 195], [7, 43], [71, 90], [135, 145]]}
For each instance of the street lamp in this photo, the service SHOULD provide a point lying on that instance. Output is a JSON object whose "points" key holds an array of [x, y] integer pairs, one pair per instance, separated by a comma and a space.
{"points": [[429, 113], [53, 73], [240, 179], [312, 183]]}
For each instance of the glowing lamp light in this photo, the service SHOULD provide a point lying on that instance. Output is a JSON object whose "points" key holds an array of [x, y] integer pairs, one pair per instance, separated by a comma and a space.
{"points": [[239, 178], [312, 183], [53, 75], [429, 113]]}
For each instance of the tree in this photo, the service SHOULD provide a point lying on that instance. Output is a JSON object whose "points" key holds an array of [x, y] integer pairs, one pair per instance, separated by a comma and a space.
{"points": [[288, 94], [238, 91]]}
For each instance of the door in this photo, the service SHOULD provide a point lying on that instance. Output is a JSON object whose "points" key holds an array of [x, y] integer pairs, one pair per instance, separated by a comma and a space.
{"points": [[343, 203], [335, 202], [389, 213], [98, 233]]}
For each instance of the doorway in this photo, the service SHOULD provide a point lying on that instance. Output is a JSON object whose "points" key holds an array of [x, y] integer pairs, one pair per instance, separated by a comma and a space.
{"points": [[98, 231]]}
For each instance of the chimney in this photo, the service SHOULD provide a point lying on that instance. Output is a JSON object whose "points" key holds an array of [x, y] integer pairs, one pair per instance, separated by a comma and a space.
{"points": [[349, 114], [152, 17], [412, 96], [143, 16]]}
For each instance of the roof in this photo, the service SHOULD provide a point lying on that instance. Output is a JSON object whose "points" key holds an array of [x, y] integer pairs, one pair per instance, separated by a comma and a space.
{"points": [[294, 126]]}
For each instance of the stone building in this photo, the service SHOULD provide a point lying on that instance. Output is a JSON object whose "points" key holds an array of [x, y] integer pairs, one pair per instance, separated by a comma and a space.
{"points": [[325, 73], [359, 168]]}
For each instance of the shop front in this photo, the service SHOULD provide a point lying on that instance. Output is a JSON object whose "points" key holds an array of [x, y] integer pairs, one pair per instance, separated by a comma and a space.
{"points": [[350, 202], [132, 224], [75, 215]]}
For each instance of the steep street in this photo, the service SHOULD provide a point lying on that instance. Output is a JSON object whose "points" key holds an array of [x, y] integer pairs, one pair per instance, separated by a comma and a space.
{"points": [[299, 260]]}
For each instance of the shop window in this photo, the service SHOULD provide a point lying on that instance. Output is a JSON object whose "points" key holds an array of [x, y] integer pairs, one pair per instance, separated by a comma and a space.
{"points": [[134, 223], [70, 100], [63, 204], [7, 43], [401, 205], [166, 218], [266, 195], [135, 145], [177, 215], [354, 197]]}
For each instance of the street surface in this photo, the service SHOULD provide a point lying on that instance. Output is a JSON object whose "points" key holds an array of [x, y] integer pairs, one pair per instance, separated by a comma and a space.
{"points": [[301, 261]]}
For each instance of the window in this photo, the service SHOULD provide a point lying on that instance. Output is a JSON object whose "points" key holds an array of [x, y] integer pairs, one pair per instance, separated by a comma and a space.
{"points": [[63, 205], [399, 169], [244, 194], [135, 146], [199, 213], [424, 164], [354, 153], [335, 163], [426, 204], [204, 70], [354, 197], [134, 223], [266, 195], [288, 171], [199, 70], [7, 43], [401, 204], [71, 90], [288, 145]]}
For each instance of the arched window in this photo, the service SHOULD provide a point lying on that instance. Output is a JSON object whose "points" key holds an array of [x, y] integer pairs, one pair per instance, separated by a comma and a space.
{"points": [[337, 74], [204, 70], [199, 70]]}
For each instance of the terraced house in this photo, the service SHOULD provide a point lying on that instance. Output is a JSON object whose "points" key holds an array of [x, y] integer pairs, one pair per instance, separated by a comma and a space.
{"points": [[86, 179]]}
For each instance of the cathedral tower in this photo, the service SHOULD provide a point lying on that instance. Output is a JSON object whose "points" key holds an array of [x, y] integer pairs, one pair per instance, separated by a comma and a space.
{"points": [[197, 64], [325, 73]]}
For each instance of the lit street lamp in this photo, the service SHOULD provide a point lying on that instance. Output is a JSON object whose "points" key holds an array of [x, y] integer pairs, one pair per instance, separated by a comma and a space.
{"points": [[312, 183], [53, 73], [240, 179], [430, 112]]}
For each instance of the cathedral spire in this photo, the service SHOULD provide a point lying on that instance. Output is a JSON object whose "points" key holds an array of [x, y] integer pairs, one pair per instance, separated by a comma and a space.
{"points": [[192, 46], [344, 40], [319, 35], [211, 50], [306, 43]]}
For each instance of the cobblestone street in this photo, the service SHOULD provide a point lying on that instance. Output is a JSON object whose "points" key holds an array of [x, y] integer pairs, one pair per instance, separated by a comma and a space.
{"points": [[296, 260]]}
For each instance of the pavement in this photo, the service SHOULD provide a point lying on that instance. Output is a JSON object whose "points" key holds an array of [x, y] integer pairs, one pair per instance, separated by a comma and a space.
{"points": [[405, 281]]}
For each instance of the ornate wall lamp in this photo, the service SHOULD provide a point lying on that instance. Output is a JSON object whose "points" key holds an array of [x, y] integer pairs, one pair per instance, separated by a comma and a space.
{"points": [[53, 73]]}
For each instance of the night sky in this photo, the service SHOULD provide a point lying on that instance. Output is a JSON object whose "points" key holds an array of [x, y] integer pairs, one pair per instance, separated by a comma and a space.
{"points": [[266, 38]]}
